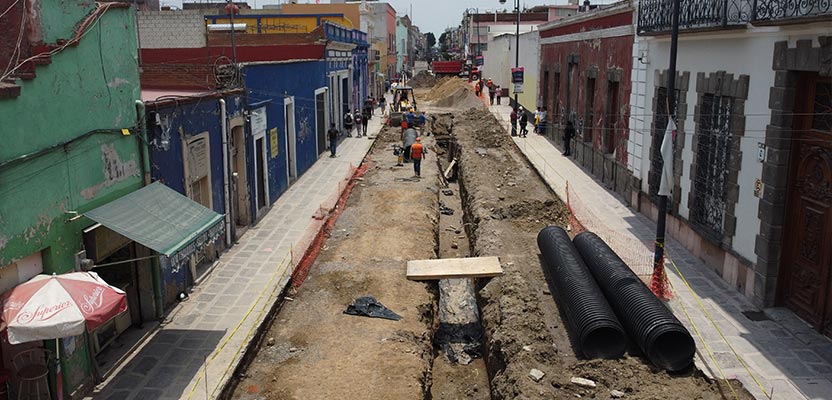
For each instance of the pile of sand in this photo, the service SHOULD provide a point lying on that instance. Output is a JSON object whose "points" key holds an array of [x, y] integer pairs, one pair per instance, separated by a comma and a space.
{"points": [[454, 92], [423, 79]]}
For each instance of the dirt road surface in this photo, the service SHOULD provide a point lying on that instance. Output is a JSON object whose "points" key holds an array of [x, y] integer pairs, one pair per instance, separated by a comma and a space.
{"points": [[314, 351], [321, 353]]}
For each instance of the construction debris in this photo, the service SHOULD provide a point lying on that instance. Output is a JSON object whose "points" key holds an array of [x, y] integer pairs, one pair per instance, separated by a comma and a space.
{"points": [[368, 306]]}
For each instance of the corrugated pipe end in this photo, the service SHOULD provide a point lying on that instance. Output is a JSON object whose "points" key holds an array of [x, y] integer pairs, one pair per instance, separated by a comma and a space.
{"points": [[671, 348], [591, 318], [664, 340]]}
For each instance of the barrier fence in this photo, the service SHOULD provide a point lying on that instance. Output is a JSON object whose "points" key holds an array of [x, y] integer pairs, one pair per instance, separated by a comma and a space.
{"points": [[296, 261]]}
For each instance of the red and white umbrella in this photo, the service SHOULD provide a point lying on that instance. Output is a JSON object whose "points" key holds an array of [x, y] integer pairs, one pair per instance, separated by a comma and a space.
{"points": [[59, 306]]}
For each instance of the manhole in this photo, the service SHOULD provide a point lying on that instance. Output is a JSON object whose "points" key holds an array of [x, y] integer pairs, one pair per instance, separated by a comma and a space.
{"points": [[756, 315]]}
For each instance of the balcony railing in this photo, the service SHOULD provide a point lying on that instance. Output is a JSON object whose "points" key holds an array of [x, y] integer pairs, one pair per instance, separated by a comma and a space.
{"points": [[654, 16]]}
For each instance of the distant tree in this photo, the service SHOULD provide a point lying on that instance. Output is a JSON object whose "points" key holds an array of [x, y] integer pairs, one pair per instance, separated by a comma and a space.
{"points": [[442, 45], [431, 39]]}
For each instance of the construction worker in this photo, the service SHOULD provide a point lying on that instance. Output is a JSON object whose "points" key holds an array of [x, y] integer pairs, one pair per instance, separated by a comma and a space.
{"points": [[411, 118], [491, 91], [417, 152], [421, 121], [409, 137]]}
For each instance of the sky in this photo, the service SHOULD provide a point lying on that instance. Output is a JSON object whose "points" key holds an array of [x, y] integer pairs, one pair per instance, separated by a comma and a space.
{"points": [[429, 15]]}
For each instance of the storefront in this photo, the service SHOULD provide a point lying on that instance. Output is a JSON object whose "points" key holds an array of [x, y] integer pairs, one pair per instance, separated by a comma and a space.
{"points": [[143, 243]]}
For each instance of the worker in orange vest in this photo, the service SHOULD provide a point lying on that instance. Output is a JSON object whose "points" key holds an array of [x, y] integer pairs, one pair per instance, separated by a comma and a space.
{"points": [[417, 152]]}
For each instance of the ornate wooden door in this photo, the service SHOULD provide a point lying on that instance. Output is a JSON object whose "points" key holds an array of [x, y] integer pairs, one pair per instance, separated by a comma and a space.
{"points": [[807, 255]]}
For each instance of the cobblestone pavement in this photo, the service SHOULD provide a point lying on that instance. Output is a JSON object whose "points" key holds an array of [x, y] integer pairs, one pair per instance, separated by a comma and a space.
{"points": [[216, 323], [780, 350]]}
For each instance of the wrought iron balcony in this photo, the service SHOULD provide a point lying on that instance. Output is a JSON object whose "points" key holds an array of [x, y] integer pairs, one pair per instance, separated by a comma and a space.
{"points": [[654, 16]]}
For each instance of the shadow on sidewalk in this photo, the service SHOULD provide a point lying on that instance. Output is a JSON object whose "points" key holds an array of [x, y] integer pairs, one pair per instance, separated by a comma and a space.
{"points": [[165, 366]]}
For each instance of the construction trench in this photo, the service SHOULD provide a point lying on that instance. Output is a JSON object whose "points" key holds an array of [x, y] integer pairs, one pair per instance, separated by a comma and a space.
{"points": [[520, 347]]}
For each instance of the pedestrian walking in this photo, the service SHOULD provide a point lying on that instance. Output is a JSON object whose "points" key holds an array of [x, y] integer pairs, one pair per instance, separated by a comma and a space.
{"points": [[536, 119], [381, 104], [568, 134], [513, 118], [366, 120], [348, 123], [417, 152], [541, 129], [358, 118], [368, 107], [498, 94], [524, 120], [333, 139]]}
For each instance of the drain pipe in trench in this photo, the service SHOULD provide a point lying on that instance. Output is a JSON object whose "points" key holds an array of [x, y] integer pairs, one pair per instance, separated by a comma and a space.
{"points": [[145, 145], [225, 192]]}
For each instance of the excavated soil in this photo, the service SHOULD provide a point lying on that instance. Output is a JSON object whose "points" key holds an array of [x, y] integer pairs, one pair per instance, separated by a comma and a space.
{"points": [[453, 92], [423, 79], [507, 205], [317, 351]]}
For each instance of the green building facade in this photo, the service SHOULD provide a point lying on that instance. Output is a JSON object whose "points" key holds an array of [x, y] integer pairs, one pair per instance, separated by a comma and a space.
{"points": [[70, 144]]}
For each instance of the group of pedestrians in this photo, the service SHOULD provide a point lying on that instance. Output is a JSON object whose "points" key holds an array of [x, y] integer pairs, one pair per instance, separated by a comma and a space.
{"points": [[359, 119], [519, 115]]}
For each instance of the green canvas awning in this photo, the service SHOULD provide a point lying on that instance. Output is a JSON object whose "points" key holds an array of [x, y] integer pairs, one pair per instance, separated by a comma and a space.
{"points": [[161, 219]]}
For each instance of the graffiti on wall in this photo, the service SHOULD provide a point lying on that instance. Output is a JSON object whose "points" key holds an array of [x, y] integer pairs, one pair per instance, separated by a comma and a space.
{"points": [[305, 131]]}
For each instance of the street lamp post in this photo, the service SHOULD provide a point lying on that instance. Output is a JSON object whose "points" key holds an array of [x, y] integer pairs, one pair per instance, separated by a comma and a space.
{"points": [[516, 46]]}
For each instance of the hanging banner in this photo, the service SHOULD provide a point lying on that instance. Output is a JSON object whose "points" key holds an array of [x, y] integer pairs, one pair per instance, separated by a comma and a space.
{"points": [[480, 61], [517, 79], [517, 75]]}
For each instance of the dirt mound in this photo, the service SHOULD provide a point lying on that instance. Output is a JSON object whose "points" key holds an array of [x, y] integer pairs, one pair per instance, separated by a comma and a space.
{"points": [[423, 79], [442, 123], [485, 129], [453, 92], [534, 212]]}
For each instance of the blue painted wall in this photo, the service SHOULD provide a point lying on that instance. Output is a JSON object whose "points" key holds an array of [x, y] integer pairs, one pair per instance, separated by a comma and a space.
{"points": [[270, 83], [180, 122]]}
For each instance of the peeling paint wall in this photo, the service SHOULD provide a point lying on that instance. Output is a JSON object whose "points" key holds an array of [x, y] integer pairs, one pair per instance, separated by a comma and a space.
{"points": [[60, 167], [88, 87]]}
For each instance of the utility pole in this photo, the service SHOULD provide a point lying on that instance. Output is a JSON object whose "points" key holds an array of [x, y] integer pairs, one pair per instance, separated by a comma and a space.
{"points": [[658, 260], [517, 52]]}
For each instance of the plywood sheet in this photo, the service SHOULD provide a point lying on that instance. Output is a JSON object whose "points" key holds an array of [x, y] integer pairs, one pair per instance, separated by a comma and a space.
{"points": [[445, 268]]}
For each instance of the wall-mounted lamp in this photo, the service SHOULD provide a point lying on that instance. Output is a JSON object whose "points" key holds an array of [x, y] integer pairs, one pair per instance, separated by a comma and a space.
{"points": [[642, 57]]}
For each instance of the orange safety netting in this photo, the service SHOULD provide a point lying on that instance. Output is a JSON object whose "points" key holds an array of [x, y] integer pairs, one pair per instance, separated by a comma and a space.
{"points": [[637, 254], [311, 251], [659, 284]]}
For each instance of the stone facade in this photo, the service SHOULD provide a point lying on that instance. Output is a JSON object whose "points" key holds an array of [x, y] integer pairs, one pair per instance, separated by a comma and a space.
{"points": [[721, 84], [788, 62]]}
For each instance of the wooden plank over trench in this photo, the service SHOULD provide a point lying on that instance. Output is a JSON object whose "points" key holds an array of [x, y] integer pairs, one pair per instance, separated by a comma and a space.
{"points": [[446, 268]]}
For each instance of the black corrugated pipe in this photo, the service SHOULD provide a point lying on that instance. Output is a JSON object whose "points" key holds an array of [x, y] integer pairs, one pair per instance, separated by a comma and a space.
{"points": [[591, 317], [665, 341]]}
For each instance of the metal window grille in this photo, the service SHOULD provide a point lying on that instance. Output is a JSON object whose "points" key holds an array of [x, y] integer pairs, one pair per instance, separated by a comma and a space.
{"points": [[713, 154]]}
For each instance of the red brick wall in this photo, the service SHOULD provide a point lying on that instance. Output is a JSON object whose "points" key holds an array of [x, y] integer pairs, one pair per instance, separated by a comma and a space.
{"points": [[604, 54]]}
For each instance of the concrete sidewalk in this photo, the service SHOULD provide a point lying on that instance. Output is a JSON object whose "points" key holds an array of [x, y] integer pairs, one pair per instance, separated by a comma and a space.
{"points": [[781, 351], [196, 350]]}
